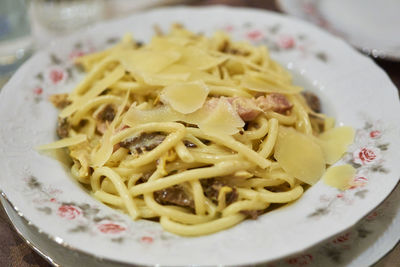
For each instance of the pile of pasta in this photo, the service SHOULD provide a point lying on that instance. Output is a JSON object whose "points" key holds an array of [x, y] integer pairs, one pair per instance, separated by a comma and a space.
{"points": [[198, 133]]}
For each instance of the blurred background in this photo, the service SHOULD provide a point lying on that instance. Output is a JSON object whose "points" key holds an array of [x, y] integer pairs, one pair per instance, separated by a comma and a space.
{"points": [[29, 25]]}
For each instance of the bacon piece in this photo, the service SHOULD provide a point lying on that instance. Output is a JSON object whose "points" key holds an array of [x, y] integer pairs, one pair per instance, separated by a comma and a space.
{"points": [[59, 100], [275, 102], [312, 100], [174, 195], [252, 214], [143, 142], [103, 117], [245, 107], [212, 187], [248, 109], [63, 128]]}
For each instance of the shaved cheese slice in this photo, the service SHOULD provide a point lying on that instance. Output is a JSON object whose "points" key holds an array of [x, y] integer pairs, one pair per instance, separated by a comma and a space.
{"points": [[223, 120], [134, 87], [171, 75], [256, 84], [199, 59], [228, 91], [340, 176], [147, 60], [299, 155], [171, 43], [135, 116], [329, 123], [161, 79], [334, 143], [344, 134], [185, 97], [208, 78], [177, 69], [235, 67], [102, 155], [65, 142]]}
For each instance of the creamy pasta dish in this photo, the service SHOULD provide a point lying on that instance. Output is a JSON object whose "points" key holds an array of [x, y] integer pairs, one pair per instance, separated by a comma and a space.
{"points": [[198, 133]]}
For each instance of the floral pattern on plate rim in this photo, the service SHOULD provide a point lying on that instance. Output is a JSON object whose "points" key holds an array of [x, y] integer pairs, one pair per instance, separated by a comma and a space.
{"points": [[61, 68], [366, 155], [87, 219], [277, 40]]}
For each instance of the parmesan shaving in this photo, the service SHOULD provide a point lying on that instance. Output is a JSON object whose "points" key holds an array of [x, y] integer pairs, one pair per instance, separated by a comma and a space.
{"points": [[258, 85], [102, 155], [299, 155], [185, 97], [334, 143], [340, 176], [66, 142], [147, 60], [223, 120], [199, 59]]}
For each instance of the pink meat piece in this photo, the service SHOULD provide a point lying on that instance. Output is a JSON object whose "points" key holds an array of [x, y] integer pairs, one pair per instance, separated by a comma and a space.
{"points": [[246, 108], [275, 102]]}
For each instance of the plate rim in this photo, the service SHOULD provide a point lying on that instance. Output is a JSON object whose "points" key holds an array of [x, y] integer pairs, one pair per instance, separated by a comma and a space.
{"points": [[376, 53], [122, 263]]}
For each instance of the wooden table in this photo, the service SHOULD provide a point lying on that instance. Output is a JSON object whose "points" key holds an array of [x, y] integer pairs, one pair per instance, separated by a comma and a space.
{"points": [[15, 252]]}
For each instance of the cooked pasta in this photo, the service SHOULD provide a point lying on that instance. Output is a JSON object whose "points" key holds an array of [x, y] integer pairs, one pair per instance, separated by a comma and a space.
{"points": [[197, 133]]}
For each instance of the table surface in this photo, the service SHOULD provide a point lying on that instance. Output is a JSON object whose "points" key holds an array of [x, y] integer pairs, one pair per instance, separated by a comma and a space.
{"points": [[15, 252]]}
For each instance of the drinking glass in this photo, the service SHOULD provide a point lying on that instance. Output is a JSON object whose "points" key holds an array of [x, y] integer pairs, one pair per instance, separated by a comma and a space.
{"points": [[15, 36], [67, 15]]}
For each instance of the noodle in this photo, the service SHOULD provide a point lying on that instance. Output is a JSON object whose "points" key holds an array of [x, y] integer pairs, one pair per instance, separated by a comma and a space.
{"points": [[195, 132]]}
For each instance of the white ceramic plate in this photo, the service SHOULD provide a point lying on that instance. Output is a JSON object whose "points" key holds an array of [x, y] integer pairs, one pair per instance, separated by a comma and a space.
{"points": [[370, 25], [352, 88]]}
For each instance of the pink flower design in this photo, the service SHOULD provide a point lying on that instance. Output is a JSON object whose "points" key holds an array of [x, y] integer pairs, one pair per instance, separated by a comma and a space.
{"points": [[54, 191], [301, 260], [38, 90], [365, 155], [56, 75], [147, 239], [359, 181], [342, 238], [110, 228], [375, 134], [372, 216], [254, 35], [68, 212], [75, 54], [286, 42], [228, 28]]}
